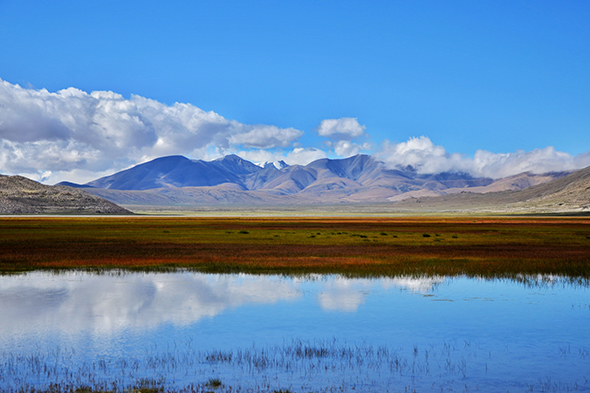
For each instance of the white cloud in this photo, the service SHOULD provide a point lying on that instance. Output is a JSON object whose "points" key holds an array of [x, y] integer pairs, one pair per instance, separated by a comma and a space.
{"points": [[537, 161], [426, 157], [582, 160], [345, 128], [266, 137], [261, 156], [78, 136], [303, 156], [421, 154], [348, 148], [341, 132], [102, 131]]}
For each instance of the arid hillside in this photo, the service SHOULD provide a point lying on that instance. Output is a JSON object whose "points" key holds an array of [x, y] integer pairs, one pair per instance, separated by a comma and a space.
{"points": [[19, 195], [568, 194]]}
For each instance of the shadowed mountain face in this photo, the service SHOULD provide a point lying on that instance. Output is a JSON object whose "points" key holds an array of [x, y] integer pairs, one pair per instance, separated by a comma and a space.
{"points": [[177, 180], [178, 171], [19, 195]]}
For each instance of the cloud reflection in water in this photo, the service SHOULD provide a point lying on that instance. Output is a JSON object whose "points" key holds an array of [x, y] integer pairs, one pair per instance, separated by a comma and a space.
{"points": [[347, 295], [73, 302], [106, 304]]}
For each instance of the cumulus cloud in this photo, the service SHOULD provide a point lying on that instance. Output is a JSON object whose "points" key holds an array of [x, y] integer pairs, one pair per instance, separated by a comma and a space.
{"points": [[422, 155], [341, 133], [266, 136], [304, 155], [261, 156], [345, 128], [348, 148], [537, 161], [425, 157], [42, 131], [78, 136]]}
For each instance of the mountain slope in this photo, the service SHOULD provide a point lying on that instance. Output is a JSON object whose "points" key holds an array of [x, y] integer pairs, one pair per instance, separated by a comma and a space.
{"points": [[172, 171], [362, 170], [570, 193], [233, 180], [19, 195]]}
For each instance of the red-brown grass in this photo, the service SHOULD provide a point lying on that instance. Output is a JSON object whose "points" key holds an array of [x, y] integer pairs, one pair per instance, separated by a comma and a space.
{"points": [[356, 246]]}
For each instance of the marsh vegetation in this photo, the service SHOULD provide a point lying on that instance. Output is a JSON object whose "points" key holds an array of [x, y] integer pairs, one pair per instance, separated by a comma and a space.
{"points": [[375, 247], [296, 366]]}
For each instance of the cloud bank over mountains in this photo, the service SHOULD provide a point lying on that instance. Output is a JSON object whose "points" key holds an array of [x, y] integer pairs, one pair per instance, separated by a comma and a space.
{"points": [[342, 133], [424, 156], [79, 136], [102, 131]]}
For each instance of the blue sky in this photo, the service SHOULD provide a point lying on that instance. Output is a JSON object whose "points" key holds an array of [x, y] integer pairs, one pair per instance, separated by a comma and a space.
{"points": [[509, 78]]}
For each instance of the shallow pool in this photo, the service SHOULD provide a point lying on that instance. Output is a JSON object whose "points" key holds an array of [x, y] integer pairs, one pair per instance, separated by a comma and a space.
{"points": [[269, 333]]}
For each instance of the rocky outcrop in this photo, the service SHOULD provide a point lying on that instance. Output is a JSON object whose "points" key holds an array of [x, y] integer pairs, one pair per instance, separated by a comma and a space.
{"points": [[19, 195]]}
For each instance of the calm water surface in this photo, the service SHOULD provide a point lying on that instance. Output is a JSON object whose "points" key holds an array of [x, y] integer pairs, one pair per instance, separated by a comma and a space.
{"points": [[320, 333]]}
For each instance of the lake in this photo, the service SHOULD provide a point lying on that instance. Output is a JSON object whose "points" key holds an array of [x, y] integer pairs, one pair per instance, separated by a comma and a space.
{"points": [[205, 332]]}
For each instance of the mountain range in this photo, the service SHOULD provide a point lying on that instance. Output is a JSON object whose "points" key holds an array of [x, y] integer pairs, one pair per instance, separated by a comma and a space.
{"points": [[233, 181], [324, 174]]}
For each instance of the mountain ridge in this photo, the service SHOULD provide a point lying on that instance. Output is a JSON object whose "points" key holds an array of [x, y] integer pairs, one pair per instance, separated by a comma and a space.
{"points": [[231, 180], [364, 170]]}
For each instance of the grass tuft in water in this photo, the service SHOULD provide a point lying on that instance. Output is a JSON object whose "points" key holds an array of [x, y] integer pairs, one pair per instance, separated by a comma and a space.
{"points": [[214, 383]]}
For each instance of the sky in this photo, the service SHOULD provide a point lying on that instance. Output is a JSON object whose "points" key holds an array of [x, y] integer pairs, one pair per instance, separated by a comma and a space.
{"points": [[491, 88]]}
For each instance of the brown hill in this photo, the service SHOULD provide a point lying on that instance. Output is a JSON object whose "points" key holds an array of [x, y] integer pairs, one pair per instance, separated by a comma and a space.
{"points": [[19, 195], [568, 194]]}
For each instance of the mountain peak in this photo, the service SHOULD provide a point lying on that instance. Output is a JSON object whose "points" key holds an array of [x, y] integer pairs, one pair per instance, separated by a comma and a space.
{"points": [[230, 157], [353, 179], [236, 165], [277, 164]]}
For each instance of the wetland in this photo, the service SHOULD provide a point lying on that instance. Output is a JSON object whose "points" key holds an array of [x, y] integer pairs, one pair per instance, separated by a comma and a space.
{"points": [[148, 304]]}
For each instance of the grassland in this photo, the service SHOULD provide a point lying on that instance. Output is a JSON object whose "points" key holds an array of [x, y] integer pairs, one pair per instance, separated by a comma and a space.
{"points": [[488, 247]]}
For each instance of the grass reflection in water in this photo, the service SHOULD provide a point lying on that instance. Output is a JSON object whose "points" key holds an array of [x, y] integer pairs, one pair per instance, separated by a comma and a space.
{"points": [[294, 366]]}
